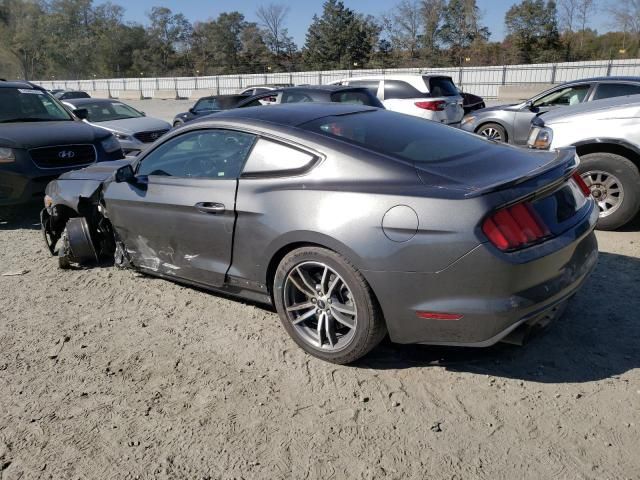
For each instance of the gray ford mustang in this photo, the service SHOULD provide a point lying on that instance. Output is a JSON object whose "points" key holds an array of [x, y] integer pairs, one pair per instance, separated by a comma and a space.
{"points": [[352, 221]]}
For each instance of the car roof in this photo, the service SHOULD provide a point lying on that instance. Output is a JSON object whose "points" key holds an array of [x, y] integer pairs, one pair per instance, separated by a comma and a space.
{"points": [[398, 76], [18, 84], [317, 88], [288, 114], [231, 95], [82, 101], [603, 79]]}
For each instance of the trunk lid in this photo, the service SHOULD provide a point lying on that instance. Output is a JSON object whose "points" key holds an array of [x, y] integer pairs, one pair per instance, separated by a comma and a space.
{"points": [[494, 168]]}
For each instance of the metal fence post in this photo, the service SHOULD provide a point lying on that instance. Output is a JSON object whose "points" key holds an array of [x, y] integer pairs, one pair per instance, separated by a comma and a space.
{"points": [[460, 77], [108, 89], [554, 68], [217, 85], [319, 78], [157, 83], [504, 75], [290, 79], [609, 65]]}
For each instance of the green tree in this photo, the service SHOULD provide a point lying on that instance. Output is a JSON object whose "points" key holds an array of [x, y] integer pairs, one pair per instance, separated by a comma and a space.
{"points": [[461, 28], [339, 38], [23, 35], [532, 27]]}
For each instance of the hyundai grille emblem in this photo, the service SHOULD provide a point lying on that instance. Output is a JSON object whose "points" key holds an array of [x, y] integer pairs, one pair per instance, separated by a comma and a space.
{"points": [[66, 154]]}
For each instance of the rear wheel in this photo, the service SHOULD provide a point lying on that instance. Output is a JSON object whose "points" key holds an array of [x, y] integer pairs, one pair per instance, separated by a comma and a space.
{"points": [[614, 182], [493, 131], [326, 306]]}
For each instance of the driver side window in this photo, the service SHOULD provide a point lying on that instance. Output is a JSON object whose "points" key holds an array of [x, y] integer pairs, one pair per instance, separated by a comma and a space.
{"points": [[564, 97], [212, 154]]}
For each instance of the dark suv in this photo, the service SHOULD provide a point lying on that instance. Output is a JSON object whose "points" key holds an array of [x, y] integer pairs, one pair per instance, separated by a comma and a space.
{"points": [[40, 139]]}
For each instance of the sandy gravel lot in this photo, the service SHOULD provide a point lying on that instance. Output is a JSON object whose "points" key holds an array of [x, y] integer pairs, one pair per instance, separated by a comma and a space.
{"points": [[110, 374]]}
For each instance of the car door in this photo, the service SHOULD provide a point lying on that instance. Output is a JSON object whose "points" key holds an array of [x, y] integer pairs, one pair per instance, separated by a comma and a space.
{"points": [[178, 217], [563, 96]]}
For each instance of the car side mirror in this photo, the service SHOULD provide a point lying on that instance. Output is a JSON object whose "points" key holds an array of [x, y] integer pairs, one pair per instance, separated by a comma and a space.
{"points": [[192, 110], [81, 113], [144, 114], [125, 174]]}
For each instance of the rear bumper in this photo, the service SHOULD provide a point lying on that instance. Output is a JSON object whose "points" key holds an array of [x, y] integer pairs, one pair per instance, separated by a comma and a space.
{"points": [[493, 292]]}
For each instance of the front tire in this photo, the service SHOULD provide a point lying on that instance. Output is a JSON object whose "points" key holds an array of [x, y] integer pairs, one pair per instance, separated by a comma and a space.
{"points": [[493, 131], [615, 184], [326, 305]]}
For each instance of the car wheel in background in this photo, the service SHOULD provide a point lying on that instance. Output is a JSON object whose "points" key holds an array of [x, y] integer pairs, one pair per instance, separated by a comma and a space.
{"points": [[493, 131], [615, 184], [326, 305]]}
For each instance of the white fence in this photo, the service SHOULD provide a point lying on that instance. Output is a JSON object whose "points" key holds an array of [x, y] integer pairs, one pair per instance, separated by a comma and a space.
{"points": [[483, 81]]}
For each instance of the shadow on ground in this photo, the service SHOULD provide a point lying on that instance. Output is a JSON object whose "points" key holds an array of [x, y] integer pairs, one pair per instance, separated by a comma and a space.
{"points": [[597, 337], [21, 217]]}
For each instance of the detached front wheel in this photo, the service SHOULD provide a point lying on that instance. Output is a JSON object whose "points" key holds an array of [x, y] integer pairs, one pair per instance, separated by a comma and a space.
{"points": [[326, 305]]}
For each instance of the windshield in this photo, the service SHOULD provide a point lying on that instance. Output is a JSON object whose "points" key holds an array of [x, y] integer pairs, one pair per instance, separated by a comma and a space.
{"points": [[108, 111], [28, 105], [402, 136]]}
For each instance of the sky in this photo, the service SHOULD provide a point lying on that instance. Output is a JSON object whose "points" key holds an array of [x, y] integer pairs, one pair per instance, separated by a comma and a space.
{"points": [[301, 12]]}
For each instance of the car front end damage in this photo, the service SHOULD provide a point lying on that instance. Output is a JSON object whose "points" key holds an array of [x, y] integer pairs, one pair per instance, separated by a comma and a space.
{"points": [[74, 221]]}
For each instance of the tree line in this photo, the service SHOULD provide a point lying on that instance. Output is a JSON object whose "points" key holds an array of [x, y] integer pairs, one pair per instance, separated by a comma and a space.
{"points": [[73, 39]]}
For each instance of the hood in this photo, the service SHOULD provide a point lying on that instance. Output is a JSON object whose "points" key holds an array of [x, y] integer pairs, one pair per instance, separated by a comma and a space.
{"points": [[606, 108], [492, 168], [131, 126], [509, 107], [100, 171], [42, 134]]}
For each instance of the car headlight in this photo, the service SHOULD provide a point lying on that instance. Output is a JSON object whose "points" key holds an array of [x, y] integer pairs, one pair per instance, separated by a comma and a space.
{"points": [[467, 119], [122, 136], [110, 144], [7, 155], [540, 138]]}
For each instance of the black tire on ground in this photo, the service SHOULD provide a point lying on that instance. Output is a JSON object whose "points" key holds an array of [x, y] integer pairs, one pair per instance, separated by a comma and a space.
{"points": [[627, 174], [493, 131], [370, 328]]}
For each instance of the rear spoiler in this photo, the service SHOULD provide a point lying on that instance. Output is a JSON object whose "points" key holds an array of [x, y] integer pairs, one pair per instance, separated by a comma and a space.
{"points": [[565, 158]]}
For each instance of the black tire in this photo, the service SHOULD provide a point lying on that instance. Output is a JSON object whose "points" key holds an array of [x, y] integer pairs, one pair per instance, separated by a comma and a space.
{"points": [[369, 329], [500, 134], [627, 175]]}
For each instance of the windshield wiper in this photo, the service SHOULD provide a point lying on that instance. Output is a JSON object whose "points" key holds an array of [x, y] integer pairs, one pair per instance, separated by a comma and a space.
{"points": [[32, 119]]}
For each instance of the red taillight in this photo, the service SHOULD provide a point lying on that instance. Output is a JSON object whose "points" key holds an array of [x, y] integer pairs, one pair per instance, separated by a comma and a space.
{"points": [[434, 106], [515, 227], [581, 183]]}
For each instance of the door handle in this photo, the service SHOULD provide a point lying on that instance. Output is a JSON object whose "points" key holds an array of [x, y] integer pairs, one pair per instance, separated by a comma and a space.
{"points": [[210, 207]]}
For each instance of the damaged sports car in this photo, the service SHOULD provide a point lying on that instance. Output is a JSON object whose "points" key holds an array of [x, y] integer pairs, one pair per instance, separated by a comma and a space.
{"points": [[353, 222]]}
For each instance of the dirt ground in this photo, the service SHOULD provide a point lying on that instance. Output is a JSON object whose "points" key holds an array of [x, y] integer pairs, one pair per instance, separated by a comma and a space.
{"points": [[110, 374]]}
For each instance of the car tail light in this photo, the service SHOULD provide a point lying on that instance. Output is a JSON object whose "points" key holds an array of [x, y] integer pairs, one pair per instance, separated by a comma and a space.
{"points": [[515, 227], [434, 106], [582, 184]]}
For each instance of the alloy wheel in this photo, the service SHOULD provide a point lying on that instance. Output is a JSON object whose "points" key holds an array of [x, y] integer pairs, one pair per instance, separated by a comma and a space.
{"points": [[492, 134], [320, 306], [606, 190]]}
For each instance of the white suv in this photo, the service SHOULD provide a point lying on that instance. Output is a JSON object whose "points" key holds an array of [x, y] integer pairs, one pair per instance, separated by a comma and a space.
{"points": [[434, 97], [606, 135]]}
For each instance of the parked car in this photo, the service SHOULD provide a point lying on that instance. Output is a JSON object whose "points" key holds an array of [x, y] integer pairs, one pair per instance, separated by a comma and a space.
{"points": [[471, 102], [434, 97], [511, 123], [133, 129], [40, 139], [607, 139], [341, 216], [207, 106], [315, 93], [71, 94], [256, 89], [56, 90]]}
